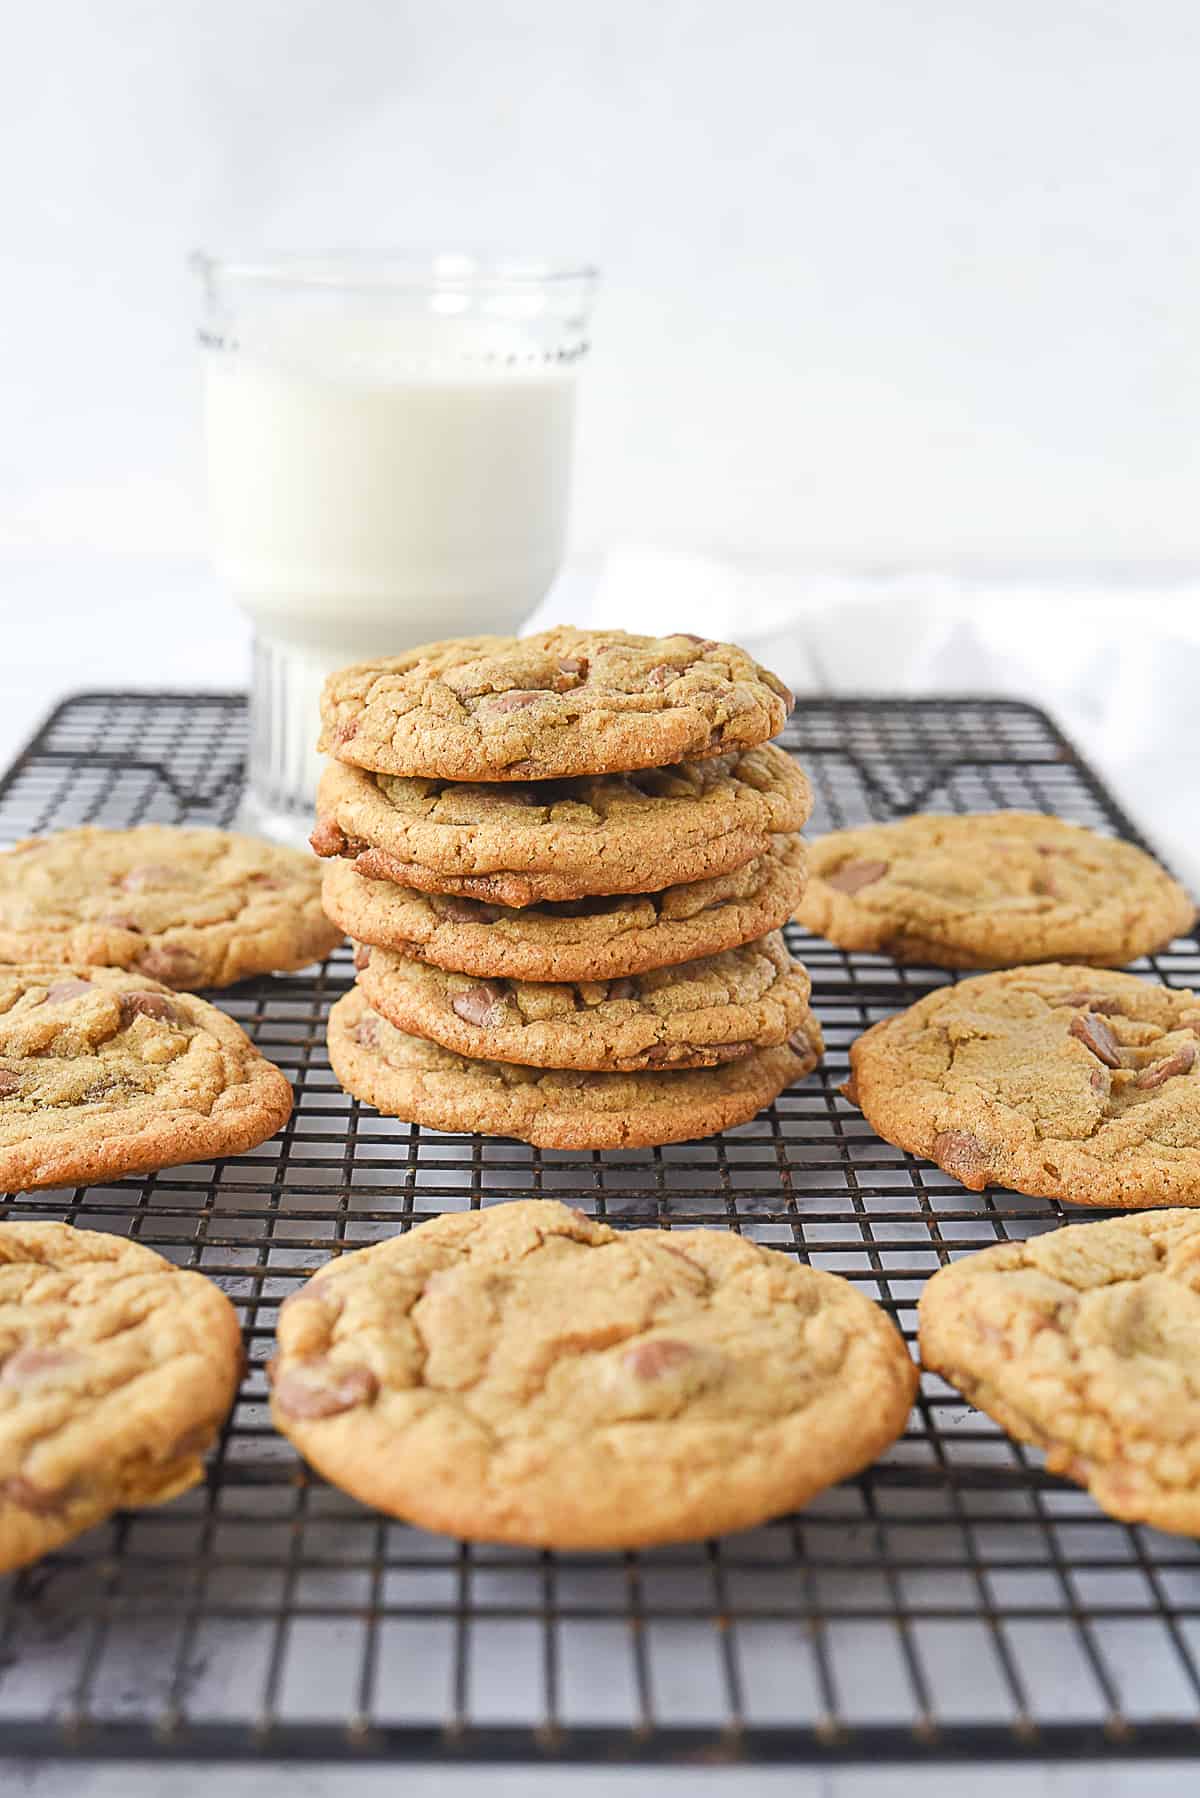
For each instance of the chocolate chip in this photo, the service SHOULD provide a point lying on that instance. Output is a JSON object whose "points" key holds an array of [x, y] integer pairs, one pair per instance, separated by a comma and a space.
{"points": [[65, 989], [853, 876], [1099, 1081], [146, 1005], [9, 1083], [329, 838], [1178, 1063], [121, 920], [460, 911], [1095, 1035], [739, 1051], [622, 989], [362, 957], [482, 1005], [798, 1043], [651, 1360], [30, 1363], [368, 1031], [660, 676], [151, 874], [170, 963], [1108, 1003], [315, 1389], [959, 1153], [514, 702], [343, 732], [705, 643], [573, 665]]}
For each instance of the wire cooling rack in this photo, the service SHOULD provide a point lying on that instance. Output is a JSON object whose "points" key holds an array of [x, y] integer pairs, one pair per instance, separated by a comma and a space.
{"points": [[955, 1601]]}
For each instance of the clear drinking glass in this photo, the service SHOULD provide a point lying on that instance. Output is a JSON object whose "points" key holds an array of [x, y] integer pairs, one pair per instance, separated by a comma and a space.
{"points": [[389, 453]]}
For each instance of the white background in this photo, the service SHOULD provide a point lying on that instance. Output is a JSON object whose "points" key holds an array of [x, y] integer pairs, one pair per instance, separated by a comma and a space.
{"points": [[891, 285], [888, 280]]}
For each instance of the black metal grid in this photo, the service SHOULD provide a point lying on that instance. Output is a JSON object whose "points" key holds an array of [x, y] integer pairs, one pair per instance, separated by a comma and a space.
{"points": [[953, 1601]]}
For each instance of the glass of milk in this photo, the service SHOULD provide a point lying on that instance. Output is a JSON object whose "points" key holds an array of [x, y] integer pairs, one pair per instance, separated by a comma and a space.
{"points": [[389, 454]]}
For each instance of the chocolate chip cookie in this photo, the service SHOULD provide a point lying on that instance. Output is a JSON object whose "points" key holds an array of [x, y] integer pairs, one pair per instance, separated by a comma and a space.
{"points": [[565, 839], [698, 1015], [408, 1077], [524, 1374], [602, 938], [116, 1372], [990, 890], [1058, 1081], [104, 1073], [1086, 1341], [186, 907], [564, 703]]}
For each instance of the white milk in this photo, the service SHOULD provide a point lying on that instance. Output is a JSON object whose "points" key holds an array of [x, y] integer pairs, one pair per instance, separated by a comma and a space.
{"points": [[373, 486]]}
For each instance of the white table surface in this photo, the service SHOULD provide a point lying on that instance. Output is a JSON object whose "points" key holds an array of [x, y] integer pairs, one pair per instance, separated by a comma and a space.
{"points": [[74, 622]]}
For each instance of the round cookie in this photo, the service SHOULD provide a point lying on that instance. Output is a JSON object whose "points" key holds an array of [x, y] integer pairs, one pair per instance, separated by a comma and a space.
{"points": [[1058, 1081], [699, 1015], [990, 890], [524, 1374], [567, 839], [1086, 1341], [103, 1074], [117, 1370], [602, 938], [187, 907], [407, 1077], [565, 702]]}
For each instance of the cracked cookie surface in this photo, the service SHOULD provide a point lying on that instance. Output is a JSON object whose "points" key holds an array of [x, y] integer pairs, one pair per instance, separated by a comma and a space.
{"points": [[700, 1014], [565, 839], [1064, 1082], [117, 1370], [1086, 1341], [564, 702], [990, 890], [408, 1077], [524, 1374], [600, 938], [104, 1073], [186, 907]]}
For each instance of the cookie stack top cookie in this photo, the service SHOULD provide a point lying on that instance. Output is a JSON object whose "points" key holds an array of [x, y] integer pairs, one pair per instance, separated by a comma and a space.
{"points": [[561, 704], [570, 852]]}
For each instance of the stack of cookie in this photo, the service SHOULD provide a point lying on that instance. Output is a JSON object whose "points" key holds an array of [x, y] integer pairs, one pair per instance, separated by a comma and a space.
{"points": [[566, 860]]}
